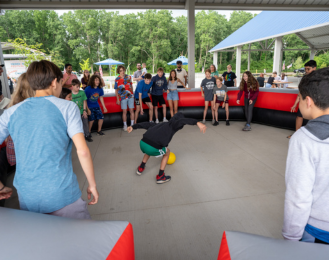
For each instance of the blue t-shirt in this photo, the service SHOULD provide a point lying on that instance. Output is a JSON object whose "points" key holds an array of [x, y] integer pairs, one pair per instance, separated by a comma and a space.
{"points": [[42, 129], [93, 95], [143, 88]]}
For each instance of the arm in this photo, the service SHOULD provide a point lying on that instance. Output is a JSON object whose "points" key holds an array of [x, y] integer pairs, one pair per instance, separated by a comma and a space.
{"points": [[214, 101], [235, 82], [87, 166], [102, 101], [201, 90], [182, 83], [293, 108], [140, 102], [85, 106], [239, 96], [117, 95], [255, 94], [224, 100], [144, 125], [300, 178]]}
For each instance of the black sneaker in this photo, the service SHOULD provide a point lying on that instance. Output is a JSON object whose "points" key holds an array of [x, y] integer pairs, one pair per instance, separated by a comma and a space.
{"points": [[163, 178], [227, 122], [216, 123], [100, 133], [88, 138]]}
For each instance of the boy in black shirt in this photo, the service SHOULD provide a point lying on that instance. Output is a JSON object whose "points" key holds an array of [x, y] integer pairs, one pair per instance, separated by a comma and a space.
{"points": [[229, 77], [156, 139]]}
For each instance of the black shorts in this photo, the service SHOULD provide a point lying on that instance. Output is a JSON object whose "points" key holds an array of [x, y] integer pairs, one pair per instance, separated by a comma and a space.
{"points": [[299, 114], [144, 100], [158, 99]]}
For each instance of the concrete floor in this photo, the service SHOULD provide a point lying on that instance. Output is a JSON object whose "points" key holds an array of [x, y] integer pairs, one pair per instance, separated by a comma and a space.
{"points": [[225, 179]]}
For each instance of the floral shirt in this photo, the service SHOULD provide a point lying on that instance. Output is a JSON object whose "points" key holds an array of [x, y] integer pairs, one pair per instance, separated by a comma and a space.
{"points": [[126, 82], [123, 93]]}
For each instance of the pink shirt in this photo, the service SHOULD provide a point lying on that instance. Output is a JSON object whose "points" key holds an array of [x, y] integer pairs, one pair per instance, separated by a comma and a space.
{"points": [[71, 77]]}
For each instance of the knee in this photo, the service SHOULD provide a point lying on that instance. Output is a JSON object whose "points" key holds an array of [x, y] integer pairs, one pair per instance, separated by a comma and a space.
{"points": [[124, 112], [151, 107]]}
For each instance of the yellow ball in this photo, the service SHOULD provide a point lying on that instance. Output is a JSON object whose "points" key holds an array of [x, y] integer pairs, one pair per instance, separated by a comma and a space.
{"points": [[172, 158]]}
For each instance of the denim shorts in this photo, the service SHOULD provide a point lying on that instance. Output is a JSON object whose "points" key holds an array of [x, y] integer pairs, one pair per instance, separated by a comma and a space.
{"points": [[127, 102], [173, 95], [96, 114]]}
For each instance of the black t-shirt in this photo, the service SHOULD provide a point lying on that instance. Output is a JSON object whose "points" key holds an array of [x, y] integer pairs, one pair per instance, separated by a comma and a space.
{"points": [[270, 80], [261, 81], [229, 78]]}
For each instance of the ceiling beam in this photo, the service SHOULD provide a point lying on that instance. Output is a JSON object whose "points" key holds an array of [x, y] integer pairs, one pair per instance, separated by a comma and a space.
{"points": [[305, 40], [74, 5]]}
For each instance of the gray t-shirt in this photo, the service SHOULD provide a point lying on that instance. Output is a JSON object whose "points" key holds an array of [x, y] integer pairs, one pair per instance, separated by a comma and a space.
{"points": [[208, 86], [220, 92], [137, 74]]}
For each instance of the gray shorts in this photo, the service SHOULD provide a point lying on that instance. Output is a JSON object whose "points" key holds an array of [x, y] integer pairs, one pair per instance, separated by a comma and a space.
{"points": [[77, 209]]}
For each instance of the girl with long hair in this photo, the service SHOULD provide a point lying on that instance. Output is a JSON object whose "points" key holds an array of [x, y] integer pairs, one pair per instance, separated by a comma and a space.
{"points": [[214, 72], [94, 92], [85, 79], [172, 93], [22, 92], [249, 85]]}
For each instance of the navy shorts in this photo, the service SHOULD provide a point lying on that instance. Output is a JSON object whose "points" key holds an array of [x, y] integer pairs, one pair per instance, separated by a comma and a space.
{"points": [[96, 114], [158, 99]]}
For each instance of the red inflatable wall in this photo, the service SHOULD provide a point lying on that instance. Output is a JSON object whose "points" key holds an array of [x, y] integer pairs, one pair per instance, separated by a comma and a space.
{"points": [[268, 100]]}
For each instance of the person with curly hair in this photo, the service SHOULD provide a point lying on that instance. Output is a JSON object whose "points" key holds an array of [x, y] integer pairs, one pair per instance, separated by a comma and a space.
{"points": [[249, 85]]}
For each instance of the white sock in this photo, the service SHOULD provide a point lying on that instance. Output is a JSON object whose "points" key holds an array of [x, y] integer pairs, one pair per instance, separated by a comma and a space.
{"points": [[164, 118], [132, 122], [124, 123]]}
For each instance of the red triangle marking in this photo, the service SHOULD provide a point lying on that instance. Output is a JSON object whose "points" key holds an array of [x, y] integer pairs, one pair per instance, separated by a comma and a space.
{"points": [[224, 252]]}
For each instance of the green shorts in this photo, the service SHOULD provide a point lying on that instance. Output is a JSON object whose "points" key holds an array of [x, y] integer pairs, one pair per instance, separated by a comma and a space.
{"points": [[151, 151]]}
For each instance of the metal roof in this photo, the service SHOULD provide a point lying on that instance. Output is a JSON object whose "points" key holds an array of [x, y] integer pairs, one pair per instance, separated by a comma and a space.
{"points": [[311, 27], [309, 5]]}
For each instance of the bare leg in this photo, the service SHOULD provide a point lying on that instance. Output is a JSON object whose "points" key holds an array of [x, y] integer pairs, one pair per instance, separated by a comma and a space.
{"points": [[124, 115], [212, 111], [90, 125], [206, 104], [227, 111], [138, 108], [132, 116], [175, 106], [150, 111], [145, 158], [171, 107], [100, 123], [216, 111], [299, 122], [156, 112], [164, 110], [164, 160]]}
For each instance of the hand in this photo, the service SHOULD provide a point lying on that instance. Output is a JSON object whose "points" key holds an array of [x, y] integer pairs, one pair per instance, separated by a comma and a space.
{"points": [[142, 111], [168, 91], [202, 127], [214, 107], [6, 193], [223, 105], [202, 94], [85, 114], [105, 110], [118, 102], [250, 102], [238, 102], [94, 192], [129, 129], [187, 88], [293, 108]]}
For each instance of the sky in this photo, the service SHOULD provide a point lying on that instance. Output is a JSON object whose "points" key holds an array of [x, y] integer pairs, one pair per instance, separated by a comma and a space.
{"points": [[176, 13]]}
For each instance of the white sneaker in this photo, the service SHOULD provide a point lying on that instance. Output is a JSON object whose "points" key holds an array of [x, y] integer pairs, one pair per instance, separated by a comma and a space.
{"points": [[157, 121], [125, 128], [165, 120], [203, 121]]}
